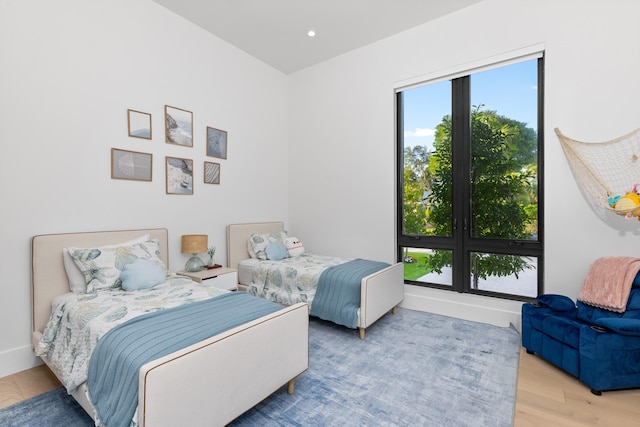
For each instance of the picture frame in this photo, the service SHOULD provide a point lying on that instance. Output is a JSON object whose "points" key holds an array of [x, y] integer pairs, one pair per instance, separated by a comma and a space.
{"points": [[139, 124], [211, 173], [216, 143], [179, 175], [178, 125], [131, 165]]}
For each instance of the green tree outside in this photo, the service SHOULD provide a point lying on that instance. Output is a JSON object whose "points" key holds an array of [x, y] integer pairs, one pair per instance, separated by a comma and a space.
{"points": [[503, 189]]}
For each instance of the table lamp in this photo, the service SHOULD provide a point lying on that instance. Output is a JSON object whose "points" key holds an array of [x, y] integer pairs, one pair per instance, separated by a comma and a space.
{"points": [[194, 244]]}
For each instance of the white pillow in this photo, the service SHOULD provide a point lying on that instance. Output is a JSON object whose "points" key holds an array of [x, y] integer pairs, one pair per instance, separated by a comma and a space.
{"points": [[77, 283]]}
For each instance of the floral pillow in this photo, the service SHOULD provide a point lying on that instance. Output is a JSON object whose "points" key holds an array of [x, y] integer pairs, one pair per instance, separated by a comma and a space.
{"points": [[77, 284], [103, 266], [257, 244]]}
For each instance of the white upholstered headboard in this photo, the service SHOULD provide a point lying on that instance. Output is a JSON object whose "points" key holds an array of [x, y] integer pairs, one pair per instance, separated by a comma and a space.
{"points": [[238, 235], [48, 276]]}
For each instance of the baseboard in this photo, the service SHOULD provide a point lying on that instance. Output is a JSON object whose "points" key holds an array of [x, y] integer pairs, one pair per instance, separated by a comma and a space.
{"points": [[494, 311], [17, 359]]}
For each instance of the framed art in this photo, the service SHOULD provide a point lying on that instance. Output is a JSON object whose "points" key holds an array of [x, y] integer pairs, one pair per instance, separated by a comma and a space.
{"points": [[216, 143], [178, 126], [179, 175], [139, 124], [211, 173], [131, 165]]}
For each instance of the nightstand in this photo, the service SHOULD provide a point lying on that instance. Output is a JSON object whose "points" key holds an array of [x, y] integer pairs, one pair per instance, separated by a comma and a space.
{"points": [[222, 277]]}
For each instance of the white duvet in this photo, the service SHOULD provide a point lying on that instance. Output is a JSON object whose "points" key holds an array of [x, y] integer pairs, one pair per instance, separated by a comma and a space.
{"points": [[78, 320], [290, 280]]}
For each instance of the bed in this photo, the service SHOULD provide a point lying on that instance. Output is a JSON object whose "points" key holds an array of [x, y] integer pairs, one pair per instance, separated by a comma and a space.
{"points": [[380, 292], [210, 382]]}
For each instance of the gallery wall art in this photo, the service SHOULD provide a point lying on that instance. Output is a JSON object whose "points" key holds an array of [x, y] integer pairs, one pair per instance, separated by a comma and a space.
{"points": [[211, 173], [179, 175], [179, 172], [131, 165], [178, 126], [216, 143], [139, 124]]}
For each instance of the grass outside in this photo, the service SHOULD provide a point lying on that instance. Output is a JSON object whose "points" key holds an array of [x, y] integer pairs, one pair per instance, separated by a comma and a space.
{"points": [[416, 269]]}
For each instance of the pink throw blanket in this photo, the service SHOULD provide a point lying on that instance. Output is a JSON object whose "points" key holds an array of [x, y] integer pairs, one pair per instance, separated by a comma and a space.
{"points": [[608, 283]]}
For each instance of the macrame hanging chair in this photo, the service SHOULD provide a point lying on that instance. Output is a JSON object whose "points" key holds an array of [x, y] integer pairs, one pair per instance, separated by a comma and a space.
{"points": [[608, 173]]}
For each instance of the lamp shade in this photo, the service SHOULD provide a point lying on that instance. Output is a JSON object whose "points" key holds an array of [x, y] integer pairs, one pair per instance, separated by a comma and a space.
{"points": [[194, 243]]}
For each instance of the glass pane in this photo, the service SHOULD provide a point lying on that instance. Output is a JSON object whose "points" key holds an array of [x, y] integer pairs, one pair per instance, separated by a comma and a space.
{"points": [[419, 262], [506, 274], [504, 147], [427, 160]]}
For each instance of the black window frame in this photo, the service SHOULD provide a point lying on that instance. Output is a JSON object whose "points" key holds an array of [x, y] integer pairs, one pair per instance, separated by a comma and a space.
{"points": [[461, 115]]}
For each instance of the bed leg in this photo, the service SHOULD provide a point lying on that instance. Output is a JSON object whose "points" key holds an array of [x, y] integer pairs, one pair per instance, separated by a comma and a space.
{"points": [[394, 310], [361, 330], [291, 385]]}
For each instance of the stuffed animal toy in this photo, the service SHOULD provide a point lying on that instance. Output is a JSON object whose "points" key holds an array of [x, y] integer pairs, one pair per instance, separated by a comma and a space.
{"points": [[629, 202], [294, 246]]}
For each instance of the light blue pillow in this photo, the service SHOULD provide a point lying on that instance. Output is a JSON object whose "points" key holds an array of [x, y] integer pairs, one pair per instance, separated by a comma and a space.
{"points": [[142, 274], [276, 251]]}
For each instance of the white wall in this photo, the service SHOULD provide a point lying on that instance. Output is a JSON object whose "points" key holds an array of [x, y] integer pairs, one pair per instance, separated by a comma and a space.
{"points": [[69, 71], [323, 138], [342, 195]]}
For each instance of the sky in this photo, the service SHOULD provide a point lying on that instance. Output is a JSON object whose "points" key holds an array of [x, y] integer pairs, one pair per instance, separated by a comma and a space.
{"points": [[511, 91]]}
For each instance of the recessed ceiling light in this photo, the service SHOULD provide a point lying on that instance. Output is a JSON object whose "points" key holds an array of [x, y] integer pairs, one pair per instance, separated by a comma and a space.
{"points": [[311, 33]]}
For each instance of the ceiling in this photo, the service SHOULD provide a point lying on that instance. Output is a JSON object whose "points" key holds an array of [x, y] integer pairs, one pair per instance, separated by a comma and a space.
{"points": [[275, 31]]}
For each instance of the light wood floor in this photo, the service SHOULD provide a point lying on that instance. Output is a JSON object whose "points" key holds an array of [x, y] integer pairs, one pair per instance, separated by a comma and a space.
{"points": [[26, 384], [546, 396]]}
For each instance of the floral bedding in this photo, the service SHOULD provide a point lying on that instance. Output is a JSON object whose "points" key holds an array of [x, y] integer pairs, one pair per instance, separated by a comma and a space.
{"points": [[290, 280], [79, 320]]}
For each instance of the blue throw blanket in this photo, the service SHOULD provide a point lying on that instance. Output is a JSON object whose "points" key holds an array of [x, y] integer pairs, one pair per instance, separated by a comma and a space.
{"points": [[121, 352], [338, 295]]}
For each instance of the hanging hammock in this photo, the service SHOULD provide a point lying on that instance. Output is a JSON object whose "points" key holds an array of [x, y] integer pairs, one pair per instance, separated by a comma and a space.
{"points": [[608, 173]]}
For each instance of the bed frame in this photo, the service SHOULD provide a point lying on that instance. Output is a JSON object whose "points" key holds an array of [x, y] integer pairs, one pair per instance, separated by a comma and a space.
{"points": [[209, 383], [380, 292]]}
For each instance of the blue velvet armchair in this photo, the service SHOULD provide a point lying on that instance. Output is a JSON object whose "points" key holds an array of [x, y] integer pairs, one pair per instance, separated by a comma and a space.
{"points": [[599, 347]]}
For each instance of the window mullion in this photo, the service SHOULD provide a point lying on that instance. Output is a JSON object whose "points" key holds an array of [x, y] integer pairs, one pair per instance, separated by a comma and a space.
{"points": [[461, 134]]}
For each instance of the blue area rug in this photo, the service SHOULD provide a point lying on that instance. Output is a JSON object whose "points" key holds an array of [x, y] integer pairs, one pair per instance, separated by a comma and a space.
{"points": [[52, 409], [413, 369]]}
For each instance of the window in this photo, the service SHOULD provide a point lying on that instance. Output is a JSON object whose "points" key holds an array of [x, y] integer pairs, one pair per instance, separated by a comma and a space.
{"points": [[470, 181]]}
